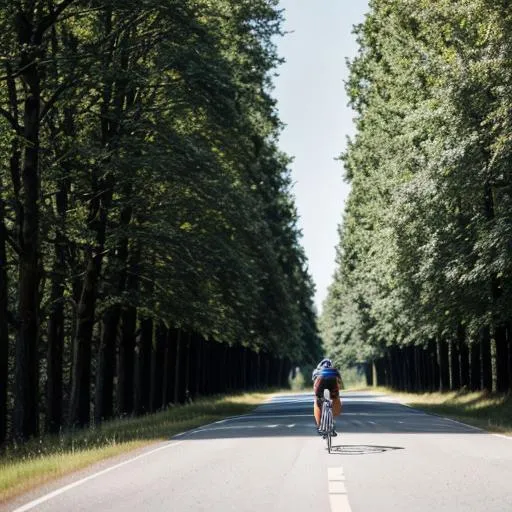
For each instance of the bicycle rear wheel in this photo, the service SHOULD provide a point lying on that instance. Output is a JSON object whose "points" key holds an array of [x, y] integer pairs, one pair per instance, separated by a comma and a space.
{"points": [[329, 442]]}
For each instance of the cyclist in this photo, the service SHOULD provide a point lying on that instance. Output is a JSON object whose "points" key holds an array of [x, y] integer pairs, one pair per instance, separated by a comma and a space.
{"points": [[325, 376]]}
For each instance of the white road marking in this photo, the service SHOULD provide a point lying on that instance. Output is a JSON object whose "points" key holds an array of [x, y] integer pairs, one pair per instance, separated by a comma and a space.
{"points": [[270, 416], [337, 488], [339, 503], [443, 417], [335, 474], [503, 436], [337, 492], [463, 424], [234, 427], [241, 427], [49, 496], [458, 422]]}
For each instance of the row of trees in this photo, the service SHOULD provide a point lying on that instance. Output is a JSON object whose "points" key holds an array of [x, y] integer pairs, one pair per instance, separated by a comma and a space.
{"points": [[424, 265], [148, 236]]}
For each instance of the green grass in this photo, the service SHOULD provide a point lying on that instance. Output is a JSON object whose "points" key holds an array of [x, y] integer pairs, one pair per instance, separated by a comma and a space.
{"points": [[26, 466], [489, 411]]}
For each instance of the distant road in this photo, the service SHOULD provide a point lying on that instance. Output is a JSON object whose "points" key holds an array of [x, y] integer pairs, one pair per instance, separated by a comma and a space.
{"points": [[388, 457]]}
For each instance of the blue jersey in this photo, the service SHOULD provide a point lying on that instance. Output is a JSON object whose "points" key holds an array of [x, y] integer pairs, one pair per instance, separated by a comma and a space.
{"points": [[326, 373]]}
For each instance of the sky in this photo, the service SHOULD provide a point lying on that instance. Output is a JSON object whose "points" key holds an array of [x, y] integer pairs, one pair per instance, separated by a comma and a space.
{"points": [[312, 103]]}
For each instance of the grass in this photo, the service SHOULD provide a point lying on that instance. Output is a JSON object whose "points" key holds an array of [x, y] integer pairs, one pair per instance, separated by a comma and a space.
{"points": [[26, 466], [489, 411]]}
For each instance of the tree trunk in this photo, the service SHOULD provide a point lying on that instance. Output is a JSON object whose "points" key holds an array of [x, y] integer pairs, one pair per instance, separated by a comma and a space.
{"points": [[4, 333], [368, 373], [56, 329], [143, 367], [205, 365], [436, 370], [127, 360], [54, 359], [418, 367], [476, 367], [26, 412], [79, 411], [79, 406], [464, 357], [427, 363], [502, 358], [157, 367], [188, 348], [105, 371], [454, 365], [443, 363], [267, 369], [166, 376], [192, 362], [509, 339], [176, 368], [486, 361], [198, 365]]}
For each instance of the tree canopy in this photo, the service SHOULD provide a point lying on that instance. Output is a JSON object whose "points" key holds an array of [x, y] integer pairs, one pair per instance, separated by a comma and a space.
{"points": [[422, 286], [146, 212]]}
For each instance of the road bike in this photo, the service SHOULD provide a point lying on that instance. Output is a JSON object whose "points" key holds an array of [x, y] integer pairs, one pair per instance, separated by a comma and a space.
{"points": [[327, 419]]}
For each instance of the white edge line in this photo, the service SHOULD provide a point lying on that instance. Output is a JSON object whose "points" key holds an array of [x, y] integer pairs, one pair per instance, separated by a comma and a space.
{"points": [[444, 418], [465, 424], [66, 488], [503, 436], [509, 438]]}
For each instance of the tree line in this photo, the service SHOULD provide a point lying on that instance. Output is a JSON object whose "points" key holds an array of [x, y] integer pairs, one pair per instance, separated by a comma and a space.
{"points": [[149, 248], [422, 291]]}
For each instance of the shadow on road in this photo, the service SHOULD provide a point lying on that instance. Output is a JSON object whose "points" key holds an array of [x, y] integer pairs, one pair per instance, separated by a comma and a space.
{"points": [[362, 449], [292, 416]]}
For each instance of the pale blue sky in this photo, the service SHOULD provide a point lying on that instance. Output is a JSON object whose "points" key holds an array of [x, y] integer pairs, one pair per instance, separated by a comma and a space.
{"points": [[313, 105]]}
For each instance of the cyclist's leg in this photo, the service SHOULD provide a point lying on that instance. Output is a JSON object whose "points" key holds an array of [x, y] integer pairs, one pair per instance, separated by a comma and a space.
{"points": [[317, 407], [336, 400], [317, 411], [336, 406]]}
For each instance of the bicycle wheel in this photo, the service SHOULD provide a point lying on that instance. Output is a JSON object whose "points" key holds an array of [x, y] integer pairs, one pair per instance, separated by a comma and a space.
{"points": [[328, 426]]}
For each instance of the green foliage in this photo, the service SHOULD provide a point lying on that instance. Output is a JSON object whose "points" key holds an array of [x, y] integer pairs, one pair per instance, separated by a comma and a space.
{"points": [[160, 182], [425, 237]]}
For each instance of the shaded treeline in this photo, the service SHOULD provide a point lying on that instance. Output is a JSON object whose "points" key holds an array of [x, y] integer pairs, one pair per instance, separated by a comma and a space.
{"points": [[422, 292], [149, 250]]}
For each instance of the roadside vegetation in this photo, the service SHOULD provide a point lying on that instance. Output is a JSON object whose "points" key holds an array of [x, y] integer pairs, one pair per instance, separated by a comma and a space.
{"points": [[25, 466]]}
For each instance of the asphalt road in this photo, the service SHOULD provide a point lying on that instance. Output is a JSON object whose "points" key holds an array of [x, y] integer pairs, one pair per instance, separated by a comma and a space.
{"points": [[387, 457]]}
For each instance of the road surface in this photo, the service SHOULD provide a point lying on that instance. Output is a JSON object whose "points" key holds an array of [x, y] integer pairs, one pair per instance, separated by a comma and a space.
{"points": [[387, 458]]}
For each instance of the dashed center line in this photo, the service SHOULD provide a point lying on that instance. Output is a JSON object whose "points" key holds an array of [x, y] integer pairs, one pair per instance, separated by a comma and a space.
{"points": [[337, 492]]}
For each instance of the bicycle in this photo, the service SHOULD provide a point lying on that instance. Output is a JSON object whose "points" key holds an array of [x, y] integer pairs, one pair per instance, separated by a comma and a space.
{"points": [[327, 419]]}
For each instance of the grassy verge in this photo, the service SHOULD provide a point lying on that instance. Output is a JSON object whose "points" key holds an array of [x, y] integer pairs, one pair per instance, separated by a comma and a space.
{"points": [[489, 411], [25, 467]]}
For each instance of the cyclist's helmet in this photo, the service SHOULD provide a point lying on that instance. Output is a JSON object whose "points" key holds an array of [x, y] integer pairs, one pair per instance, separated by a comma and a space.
{"points": [[325, 363]]}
